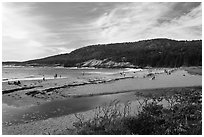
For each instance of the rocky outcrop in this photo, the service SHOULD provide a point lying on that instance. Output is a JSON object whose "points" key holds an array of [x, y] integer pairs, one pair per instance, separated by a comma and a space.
{"points": [[106, 63]]}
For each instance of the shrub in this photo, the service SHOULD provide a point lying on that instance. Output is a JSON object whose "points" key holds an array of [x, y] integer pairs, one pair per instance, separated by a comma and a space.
{"points": [[107, 120], [182, 116]]}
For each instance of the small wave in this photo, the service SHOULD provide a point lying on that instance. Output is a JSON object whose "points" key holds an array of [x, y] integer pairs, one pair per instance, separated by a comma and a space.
{"points": [[12, 66], [35, 78], [131, 69], [105, 73], [81, 68], [31, 76], [72, 68]]}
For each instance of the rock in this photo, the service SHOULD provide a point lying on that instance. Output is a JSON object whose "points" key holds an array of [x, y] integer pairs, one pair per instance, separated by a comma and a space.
{"points": [[106, 63]]}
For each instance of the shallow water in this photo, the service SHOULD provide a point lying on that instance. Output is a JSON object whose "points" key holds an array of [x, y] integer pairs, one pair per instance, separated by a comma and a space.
{"points": [[16, 115], [31, 73]]}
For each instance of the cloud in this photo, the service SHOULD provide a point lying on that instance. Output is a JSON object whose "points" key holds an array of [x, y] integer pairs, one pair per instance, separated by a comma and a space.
{"points": [[138, 21], [188, 26], [35, 30], [24, 36], [19, 33]]}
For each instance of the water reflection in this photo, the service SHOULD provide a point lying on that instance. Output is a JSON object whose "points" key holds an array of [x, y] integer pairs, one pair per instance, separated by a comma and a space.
{"points": [[15, 115]]}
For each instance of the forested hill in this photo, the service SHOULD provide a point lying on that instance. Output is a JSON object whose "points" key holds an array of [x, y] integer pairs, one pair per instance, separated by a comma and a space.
{"points": [[154, 53]]}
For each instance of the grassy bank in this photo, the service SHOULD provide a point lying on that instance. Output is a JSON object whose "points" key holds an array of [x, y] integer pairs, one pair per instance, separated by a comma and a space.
{"points": [[182, 115]]}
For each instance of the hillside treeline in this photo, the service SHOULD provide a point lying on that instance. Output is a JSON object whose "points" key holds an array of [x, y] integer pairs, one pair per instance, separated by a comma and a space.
{"points": [[154, 53]]}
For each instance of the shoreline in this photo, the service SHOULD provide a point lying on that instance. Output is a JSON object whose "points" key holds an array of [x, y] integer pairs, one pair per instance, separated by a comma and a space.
{"points": [[74, 84], [38, 92], [78, 83]]}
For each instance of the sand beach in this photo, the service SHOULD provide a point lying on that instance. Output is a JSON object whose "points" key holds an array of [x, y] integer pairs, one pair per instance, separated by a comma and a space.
{"points": [[34, 95]]}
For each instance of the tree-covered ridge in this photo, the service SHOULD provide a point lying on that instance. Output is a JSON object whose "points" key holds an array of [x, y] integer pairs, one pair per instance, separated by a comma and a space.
{"points": [[154, 53]]}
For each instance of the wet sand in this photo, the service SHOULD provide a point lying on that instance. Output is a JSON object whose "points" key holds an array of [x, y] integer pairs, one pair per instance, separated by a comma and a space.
{"points": [[194, 70], [57, 89]]}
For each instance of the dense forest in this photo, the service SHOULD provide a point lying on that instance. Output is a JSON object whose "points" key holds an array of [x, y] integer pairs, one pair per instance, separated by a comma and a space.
{"points": [[154, 53]]}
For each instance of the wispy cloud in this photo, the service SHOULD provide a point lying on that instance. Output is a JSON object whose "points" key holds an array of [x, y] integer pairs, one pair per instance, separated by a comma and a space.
{"points": [[136, 21], [34, 30]]}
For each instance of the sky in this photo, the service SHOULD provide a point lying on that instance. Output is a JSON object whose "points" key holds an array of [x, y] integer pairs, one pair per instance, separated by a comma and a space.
{"points": [[36, 30]]}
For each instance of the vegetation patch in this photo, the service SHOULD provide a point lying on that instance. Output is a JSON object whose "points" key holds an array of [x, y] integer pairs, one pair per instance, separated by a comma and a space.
{"points": [[175, 114]]}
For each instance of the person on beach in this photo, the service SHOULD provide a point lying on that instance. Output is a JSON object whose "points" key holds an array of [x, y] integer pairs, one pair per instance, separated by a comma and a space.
{"points": [[18, 82], [43, 78], [168, 72], [153, 78], [55, 76]]}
